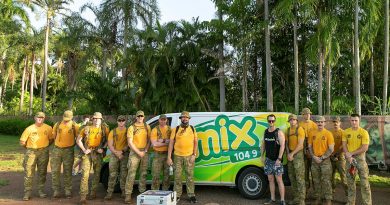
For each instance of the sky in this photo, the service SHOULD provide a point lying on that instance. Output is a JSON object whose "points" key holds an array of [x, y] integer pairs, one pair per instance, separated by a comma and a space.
{"points": [[170, 10]]}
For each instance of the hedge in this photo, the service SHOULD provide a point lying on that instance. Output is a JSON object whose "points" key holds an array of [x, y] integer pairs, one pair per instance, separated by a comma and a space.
{"points": [[16, 126]]}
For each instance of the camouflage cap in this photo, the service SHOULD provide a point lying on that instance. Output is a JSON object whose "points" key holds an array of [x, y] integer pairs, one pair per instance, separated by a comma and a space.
{"points": [[336, 119], [140, 113], [185, 114], [305, 111], [97, 115], [163, 116], [121, 118], [40, 114], [320, 118], [292, 117], [68, 115]]}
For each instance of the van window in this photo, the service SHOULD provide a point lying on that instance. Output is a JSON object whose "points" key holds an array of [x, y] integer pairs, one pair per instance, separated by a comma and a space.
{"points": [[155, 123]]}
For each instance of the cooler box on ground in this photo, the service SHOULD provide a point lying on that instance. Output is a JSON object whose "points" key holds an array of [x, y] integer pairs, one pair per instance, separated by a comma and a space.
{"points": [[157, 197]]}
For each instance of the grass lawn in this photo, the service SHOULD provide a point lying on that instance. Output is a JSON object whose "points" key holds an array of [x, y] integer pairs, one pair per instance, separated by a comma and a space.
{"points": [[11, 154]]}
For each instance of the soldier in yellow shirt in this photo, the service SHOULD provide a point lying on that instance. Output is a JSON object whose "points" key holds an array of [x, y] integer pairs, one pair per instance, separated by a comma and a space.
{"points": [[184, 141], [93, 148], [337, 157], [117, 143], [308, 125], [64, 133], [295, 138], [35, 138], [355, 145], [160, 141], [138, 138], [321, 146]]}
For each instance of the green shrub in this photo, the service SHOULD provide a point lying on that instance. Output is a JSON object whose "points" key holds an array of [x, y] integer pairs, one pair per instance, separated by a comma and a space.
{"points": [[16, 126]]}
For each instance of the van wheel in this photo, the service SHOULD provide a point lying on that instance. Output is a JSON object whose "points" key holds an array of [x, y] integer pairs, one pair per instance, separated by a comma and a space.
{"points": [[252, 183]]}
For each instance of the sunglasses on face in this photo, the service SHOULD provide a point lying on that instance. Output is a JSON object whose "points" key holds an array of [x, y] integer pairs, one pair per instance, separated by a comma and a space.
{"points": [[320, 121], [121, 120], [140, 116], [271, 121]]}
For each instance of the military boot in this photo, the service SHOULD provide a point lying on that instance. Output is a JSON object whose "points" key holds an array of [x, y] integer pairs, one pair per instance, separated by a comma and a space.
{"points": [[42, 194], [92, 195], [128, 200], [27, 196], [68, 194], [83, 200], [56, 194], [108, 196]]}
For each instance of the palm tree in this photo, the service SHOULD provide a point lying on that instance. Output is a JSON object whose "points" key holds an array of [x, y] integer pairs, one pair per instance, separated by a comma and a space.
{"points": [[51, 8], [356, 59], [270, 103], [386, 59]]}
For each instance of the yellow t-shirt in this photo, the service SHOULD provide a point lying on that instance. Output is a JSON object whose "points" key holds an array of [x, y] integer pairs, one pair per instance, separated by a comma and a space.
{"points": [[320, 141], [184, 141], [293, 137], [138, 135], [164, 135], [338, 136], [64, 134], [120, 141], [355, 138], [95, 135], [37, 137], [309, 126]]}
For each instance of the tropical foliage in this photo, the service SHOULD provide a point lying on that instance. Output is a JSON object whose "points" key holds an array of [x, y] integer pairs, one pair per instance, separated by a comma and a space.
{"points": [[329, 55]]}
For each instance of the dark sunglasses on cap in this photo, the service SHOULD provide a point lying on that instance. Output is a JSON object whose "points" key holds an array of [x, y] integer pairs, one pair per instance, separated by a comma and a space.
{"points": [[121, 120], [271, 121]]}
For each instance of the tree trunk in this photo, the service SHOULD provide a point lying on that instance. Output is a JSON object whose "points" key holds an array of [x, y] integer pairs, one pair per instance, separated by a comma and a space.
{"points": [[45, 59], [244, 82], [357, 60], [270, 104], [372, 81], [296, 69], [328, 91], [386, 60], [221, 71], [320, 65], [21, 101], [32, 81]]}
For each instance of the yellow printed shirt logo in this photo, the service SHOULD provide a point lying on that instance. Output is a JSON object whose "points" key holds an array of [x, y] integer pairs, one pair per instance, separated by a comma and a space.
{"points": [[227, 137]]}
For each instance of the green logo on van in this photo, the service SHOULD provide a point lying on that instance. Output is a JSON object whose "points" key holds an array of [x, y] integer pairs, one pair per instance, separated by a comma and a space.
{"points": [[227, 137]]}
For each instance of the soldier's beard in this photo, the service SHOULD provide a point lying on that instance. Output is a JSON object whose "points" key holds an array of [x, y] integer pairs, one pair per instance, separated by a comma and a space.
{"points": [[184, 124]]}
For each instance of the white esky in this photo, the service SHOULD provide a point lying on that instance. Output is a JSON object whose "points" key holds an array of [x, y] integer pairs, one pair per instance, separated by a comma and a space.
{"points": [[170, 10]]}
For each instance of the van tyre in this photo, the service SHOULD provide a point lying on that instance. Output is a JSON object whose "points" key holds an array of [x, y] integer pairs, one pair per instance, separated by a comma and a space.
{"points": [[252, 183]]}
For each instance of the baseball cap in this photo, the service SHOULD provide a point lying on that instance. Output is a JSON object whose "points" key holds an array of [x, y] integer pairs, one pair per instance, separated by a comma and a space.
{"points": [[68, 115], [140, 113], [97, 115], [336, 119], [163, 116], [292, 116], [40, 114], [320, 119], [121, 117], [306, 111]]}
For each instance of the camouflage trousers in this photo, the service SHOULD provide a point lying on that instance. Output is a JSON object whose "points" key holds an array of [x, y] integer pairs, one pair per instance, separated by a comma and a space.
{"points": [[181, 163], [308, 179], [136, 161], [35, 158], [160, 166], [116, 165], [322, 174], [297, 178], [62, 156], [78, 155], [338, 165], [365, 190], [92, 159]]}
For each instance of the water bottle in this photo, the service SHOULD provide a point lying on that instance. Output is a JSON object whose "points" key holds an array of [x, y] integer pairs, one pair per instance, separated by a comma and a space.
{"points": [[170, 170]]}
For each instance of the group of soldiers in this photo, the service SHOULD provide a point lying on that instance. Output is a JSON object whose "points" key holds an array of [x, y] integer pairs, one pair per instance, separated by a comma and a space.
{"points": [[311, 148], [129, 153]]}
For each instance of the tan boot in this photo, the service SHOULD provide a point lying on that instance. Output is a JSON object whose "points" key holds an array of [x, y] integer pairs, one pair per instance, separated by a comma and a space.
{"points": [[83, 200], [108, 197], [42, 194], [128, 199], [56, 194], [27, 196], [328, 202], [68, 194], [92, 195]]}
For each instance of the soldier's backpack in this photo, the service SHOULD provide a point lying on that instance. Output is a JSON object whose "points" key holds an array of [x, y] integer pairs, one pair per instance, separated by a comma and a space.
{"points": [[56, 127]]}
